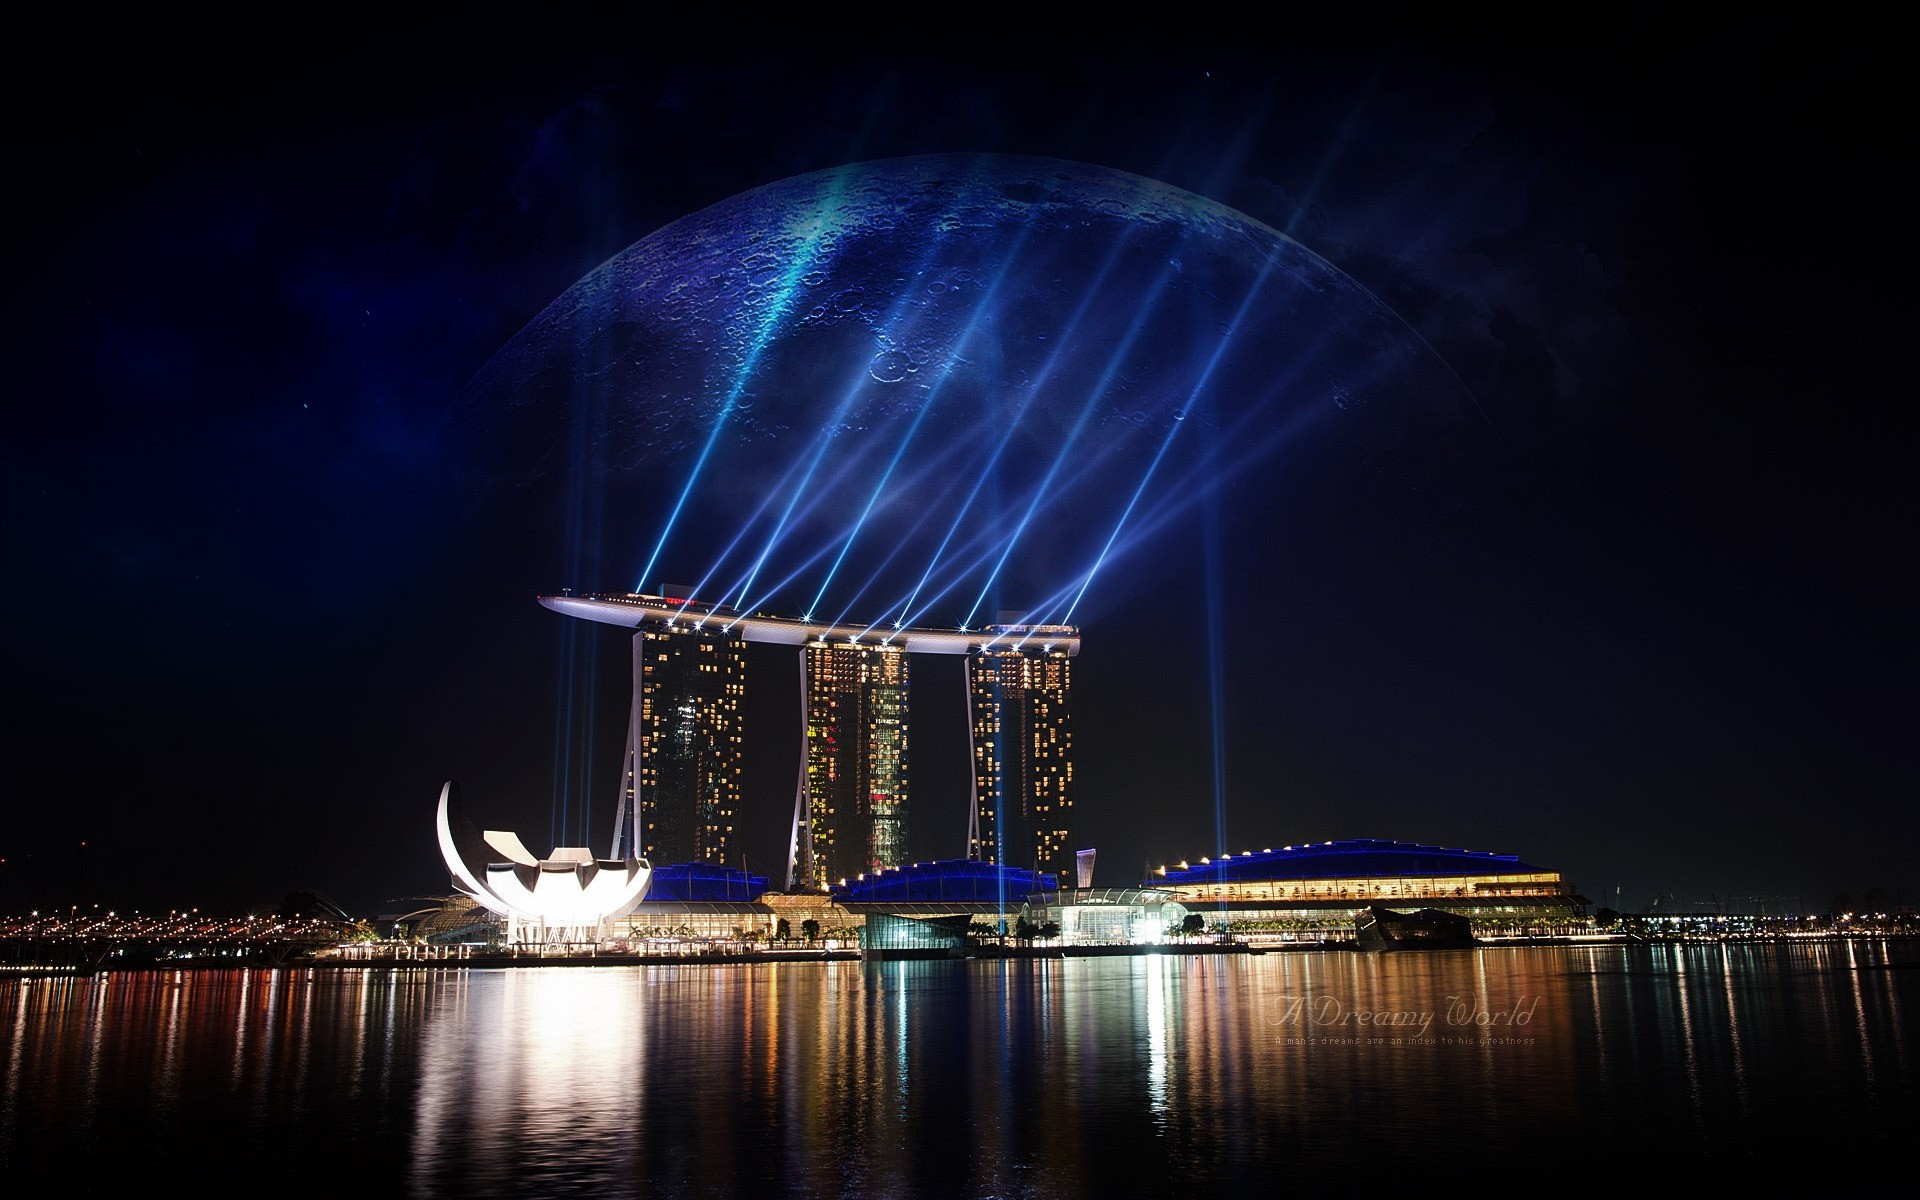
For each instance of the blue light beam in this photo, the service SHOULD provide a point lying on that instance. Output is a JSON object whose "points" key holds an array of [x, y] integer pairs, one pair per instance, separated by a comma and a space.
{"points": [[770, 321]]}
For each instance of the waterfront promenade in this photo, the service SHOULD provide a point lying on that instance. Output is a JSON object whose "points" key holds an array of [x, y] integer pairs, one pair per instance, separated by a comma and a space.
{"points": [[75, 941]]}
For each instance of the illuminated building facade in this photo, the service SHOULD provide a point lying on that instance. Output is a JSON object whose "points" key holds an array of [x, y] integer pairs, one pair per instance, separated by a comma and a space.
{"points": [[856, 766], [1327, 882], [850, 807], [680, 777], [1019, 689], [993, 895], [569, 896]]}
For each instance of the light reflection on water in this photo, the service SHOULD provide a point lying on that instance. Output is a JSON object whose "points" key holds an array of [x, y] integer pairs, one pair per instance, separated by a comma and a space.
{"points": [[1096, 1077]]}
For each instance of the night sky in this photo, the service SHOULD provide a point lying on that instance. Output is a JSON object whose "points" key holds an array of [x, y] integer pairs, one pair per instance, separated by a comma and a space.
{"points": [[260, 606]]}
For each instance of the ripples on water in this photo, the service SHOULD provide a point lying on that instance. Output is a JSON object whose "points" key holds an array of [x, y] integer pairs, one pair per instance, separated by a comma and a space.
{"points": [[1160, 1075]]}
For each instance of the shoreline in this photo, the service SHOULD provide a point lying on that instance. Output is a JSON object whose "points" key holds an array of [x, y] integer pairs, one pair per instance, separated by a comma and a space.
{"points": [[519, 961], [512, 961]]}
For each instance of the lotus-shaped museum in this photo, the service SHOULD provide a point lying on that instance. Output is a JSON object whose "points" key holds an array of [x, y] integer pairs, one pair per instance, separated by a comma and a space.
{"points": [[568, 896]]}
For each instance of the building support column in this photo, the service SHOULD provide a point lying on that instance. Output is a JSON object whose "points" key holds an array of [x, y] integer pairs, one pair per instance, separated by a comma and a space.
{"points": [[973, 767], [626, 812], [800, 865]]}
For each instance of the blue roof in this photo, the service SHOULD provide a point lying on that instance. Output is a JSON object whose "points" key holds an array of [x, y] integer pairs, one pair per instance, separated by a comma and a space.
{"points": [[954, 879], [703, 881], [1357, 858]]}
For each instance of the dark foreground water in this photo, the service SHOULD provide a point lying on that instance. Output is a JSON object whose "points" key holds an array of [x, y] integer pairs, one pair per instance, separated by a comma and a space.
{"points": [[1509, 1070]]}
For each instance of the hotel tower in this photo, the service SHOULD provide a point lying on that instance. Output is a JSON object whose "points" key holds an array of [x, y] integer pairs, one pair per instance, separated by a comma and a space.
{"points": [[681, 782], [1019, 690], [856, 766], [680, 777]]}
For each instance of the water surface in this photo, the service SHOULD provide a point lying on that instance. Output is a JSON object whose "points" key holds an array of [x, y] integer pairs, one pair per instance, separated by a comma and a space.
{"points": [[1240, 1075]]}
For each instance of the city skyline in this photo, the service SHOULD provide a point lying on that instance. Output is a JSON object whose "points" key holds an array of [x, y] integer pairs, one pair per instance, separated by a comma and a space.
{"points": [[1635, 615], [686, 735]]}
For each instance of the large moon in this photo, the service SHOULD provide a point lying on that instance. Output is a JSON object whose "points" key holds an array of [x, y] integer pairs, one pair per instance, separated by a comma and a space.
{"points": [[934, 388]]}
